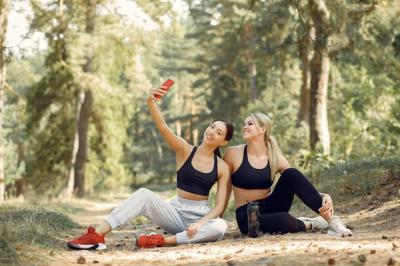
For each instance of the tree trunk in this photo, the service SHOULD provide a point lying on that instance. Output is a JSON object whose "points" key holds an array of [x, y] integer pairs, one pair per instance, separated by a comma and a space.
{"points": [[135, 137], [195, 136], [69, 192], [178, 126], [85, 110], [187, 135], [81, 156], [319, 69], [252, 81], [21, 183], [252, 68], [305, 53], [4, 9]]}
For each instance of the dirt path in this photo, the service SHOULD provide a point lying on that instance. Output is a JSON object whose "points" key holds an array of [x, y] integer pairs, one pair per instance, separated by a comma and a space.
{"points": [[375, 220]]}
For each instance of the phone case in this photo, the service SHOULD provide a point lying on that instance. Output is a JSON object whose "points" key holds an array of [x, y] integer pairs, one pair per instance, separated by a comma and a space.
{"points": [[167, 84]]}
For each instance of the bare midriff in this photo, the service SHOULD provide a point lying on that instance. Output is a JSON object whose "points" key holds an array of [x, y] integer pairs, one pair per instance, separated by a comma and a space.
{"points": [[190, 196], [243, 196]]}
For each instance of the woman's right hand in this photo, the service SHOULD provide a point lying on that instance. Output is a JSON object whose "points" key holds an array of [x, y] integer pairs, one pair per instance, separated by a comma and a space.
{"points": [[157, 93]]}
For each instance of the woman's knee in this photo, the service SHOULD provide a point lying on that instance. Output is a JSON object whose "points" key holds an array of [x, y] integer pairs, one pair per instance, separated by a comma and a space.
{"points": [[293, 177], [292, 173], [217, 229], [144, 192]]}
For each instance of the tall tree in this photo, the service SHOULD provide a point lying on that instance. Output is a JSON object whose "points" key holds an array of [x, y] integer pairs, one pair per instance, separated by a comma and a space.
{"points": [[4, 9], [50, 121], [86, 107], [319, 69], [304, 31], [332, 30]]}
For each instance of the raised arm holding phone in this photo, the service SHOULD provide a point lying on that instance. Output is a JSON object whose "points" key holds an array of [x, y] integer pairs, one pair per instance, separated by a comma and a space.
{"points": [[188, 217]]}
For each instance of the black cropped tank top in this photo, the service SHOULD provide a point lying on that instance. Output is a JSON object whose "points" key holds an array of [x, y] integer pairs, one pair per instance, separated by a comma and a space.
{"points": [[194, 181], [248, 177]]}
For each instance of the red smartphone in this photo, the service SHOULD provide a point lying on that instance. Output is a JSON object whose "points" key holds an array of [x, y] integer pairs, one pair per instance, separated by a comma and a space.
{"points": [[167, 84]]}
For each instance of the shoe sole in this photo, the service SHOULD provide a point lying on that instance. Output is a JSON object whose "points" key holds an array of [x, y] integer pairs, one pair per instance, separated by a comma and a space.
{"points": [[98, 246], [343, 234]]}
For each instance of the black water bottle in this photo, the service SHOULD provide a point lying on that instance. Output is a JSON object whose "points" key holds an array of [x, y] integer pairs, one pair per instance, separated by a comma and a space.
{"points": [[253, 219]]}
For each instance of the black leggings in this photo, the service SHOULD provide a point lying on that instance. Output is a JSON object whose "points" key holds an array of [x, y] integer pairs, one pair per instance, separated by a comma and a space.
{"points": [[274, 216]]}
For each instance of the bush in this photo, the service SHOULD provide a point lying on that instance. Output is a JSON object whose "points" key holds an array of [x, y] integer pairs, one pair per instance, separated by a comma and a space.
{"points": [[356, 178]]}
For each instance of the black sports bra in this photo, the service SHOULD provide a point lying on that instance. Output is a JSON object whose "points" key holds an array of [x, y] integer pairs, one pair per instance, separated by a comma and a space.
{"points": [[194, 181], [248, 177]]}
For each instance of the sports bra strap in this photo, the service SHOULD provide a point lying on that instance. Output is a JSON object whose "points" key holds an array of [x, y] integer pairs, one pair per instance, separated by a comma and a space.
{"points": [[191, 155], [215, 164], [245, 159]]}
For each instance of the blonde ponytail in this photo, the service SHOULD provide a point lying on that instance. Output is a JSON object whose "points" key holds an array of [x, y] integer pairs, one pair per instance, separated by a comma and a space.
{"points": [[273, 150]]}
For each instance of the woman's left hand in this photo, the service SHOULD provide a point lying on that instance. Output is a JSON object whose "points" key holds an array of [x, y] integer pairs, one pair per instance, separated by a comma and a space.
{"points": [[327, 205], [193, 228]]}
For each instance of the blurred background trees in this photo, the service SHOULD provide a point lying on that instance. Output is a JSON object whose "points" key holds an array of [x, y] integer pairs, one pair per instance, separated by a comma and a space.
{"points": [[75, 119]]}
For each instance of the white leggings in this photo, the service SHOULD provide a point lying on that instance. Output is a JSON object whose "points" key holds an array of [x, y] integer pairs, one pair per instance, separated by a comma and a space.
{"points": [[174, 217]]}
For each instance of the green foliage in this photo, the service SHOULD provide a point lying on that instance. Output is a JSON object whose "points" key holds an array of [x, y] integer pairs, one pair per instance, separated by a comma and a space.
{"points": [[228, 58], [314, 161]]}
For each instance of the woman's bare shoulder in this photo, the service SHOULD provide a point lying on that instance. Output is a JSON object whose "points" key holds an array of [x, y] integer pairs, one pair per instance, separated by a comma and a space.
{"points": [[222, 164], [234, 149]]}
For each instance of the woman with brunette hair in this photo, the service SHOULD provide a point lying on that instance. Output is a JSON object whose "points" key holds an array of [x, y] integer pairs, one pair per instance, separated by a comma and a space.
{"points": [[188, 218], [261, 174]]}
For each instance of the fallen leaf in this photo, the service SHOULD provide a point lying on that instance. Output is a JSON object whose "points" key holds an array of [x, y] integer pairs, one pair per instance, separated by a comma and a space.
{"points": [[81, 260], [240, 250], [393, 261], [362, 258], [231, 262]]}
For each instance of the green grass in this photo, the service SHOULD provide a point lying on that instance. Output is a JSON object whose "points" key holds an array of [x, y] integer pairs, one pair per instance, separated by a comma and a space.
{"points": [[356, 178], [26, 224], [8, 256]]}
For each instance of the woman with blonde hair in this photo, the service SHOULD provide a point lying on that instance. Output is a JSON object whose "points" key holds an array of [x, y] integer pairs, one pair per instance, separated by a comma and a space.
{"points": [[261, 174]]}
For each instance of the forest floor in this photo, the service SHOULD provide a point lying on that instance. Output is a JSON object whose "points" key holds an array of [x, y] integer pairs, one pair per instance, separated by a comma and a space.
{"points": [[374, 220]]}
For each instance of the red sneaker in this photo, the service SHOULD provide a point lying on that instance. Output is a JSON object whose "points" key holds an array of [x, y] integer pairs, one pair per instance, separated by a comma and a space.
{"points": [[150, 241], [89, 241]]}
